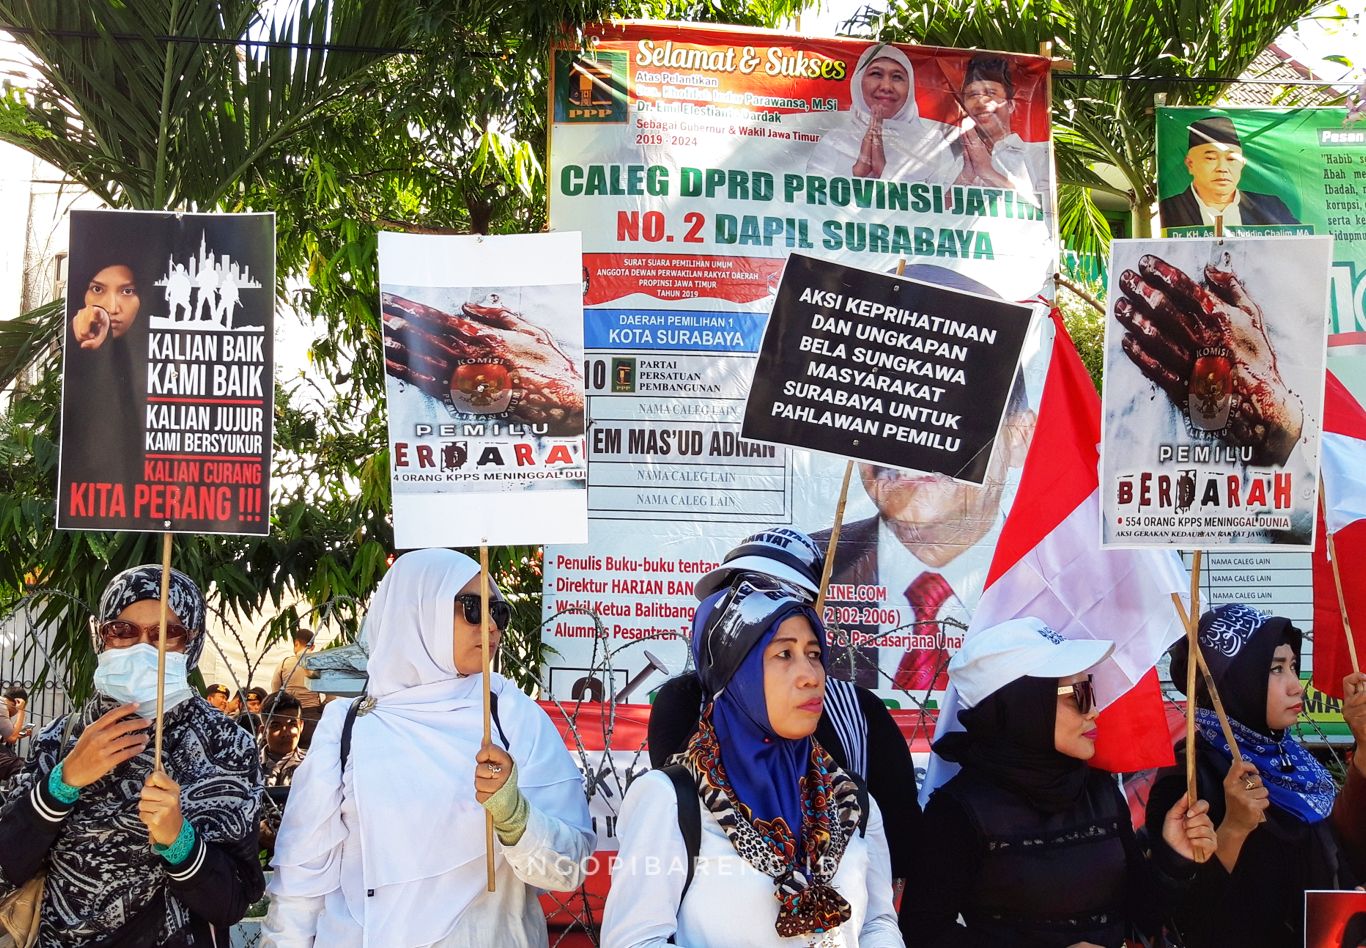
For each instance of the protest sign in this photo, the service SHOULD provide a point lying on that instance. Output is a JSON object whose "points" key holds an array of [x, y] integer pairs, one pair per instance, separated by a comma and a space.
{"points": [[884, 369], [482, 356], [694, 160], [168, 373], [1314, 165], [1214, 366]]}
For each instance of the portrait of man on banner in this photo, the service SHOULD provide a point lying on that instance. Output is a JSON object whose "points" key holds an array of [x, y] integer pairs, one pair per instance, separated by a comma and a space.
{"points": [[1215, 161]]}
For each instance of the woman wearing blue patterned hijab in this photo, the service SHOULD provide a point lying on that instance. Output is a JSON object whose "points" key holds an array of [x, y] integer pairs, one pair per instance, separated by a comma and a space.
{"points": [[1272, 812]]}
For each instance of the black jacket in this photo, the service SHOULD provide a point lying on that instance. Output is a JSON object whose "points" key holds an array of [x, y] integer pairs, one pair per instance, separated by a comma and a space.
{"points": [[1262, 901], [1026, 879], [216, 882], [1182, 210]]}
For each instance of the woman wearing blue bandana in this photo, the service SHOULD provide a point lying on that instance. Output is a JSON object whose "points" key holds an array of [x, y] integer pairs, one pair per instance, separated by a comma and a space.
{"points": [[787, 855], [1276, 838]]}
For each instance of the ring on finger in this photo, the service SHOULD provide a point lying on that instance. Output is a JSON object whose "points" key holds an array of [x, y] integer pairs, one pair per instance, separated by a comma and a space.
{"points": [[1249, 783], [495, 769]]}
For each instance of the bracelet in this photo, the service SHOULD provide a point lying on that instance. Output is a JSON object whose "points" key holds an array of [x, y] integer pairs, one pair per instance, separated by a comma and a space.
{"points": [[179, 850], [59, 788]]}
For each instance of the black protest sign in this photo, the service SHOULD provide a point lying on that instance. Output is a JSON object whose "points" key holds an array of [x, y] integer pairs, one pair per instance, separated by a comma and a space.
{"points": [[168, 373], [885, 369]]}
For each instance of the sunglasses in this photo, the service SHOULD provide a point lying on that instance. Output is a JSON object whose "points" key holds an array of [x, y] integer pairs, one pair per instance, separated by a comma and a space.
{"points": [[120, 633], [1082, 692], [500, 613]]}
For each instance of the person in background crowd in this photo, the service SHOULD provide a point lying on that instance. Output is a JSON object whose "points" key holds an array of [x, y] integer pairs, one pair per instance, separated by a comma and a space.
{"points": [[293, 677], [383, 843], [254, 696], [281, 754], [791, 851], [234, 705], [12, 730], [253, 724], [1280, 818], [1033, 847], [134, 856], [855, 726], [882, 135], [217, 695]]}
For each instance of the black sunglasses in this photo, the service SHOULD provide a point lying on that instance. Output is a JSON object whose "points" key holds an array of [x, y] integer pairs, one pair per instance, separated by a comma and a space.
{"points": [[1082, 692], [499, 611]]}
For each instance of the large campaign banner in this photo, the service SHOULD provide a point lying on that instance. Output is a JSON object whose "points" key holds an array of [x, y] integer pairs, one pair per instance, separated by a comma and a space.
{"points": [[695, 160], [168, 373], [1213, 401], [483, 348]]}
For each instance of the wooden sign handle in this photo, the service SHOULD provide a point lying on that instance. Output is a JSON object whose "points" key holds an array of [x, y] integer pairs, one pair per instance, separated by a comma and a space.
{"points": [[161, 648], [488, 693]]}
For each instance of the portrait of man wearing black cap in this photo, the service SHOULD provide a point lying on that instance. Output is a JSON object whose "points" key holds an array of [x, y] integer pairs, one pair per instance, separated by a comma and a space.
{"points": [[1215, 160]]}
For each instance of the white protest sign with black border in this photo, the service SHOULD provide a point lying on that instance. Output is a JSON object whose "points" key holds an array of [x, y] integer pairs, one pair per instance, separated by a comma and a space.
{"points": [[885, 369], [483, 361]]}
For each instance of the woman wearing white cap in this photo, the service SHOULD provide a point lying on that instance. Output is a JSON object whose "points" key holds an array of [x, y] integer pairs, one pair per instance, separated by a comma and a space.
{"points": [[382, 844], [1033, 847]]}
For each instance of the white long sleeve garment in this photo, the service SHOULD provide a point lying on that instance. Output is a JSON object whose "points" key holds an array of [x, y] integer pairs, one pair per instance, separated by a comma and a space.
{"points": [[730, 902], [549, 856]]}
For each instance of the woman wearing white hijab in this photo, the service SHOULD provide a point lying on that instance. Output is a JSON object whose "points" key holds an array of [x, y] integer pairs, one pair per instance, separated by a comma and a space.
{"points": [[387, 850], [882, 135]]}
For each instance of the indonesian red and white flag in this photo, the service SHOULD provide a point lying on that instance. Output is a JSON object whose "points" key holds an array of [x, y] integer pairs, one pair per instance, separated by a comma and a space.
{"points": [[1048, 564], [1344, 513]]}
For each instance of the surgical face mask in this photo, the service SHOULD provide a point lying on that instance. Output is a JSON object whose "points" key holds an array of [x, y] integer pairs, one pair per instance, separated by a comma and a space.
{"points": [[130, 674]]}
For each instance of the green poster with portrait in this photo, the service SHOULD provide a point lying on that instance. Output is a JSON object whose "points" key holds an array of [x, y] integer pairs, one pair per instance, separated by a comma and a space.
{"points": [[1270, 172]]}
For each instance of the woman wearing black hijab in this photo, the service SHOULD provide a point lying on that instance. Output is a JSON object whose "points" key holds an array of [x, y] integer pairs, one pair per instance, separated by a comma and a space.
{"points": [[1034, 849], [1275, 836]]}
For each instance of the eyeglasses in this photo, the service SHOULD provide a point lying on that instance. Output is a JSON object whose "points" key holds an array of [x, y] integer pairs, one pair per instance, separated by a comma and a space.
{"points": [[499, 611], [120, 633], [1082, 692]]}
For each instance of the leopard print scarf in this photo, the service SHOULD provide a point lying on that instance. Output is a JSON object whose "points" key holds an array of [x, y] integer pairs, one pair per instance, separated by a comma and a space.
{"points": [[807, 902]]}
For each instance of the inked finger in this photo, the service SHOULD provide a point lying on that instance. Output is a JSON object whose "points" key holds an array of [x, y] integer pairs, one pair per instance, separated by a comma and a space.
{"points": [[1226, 285], [1155, 371], [1168, 315], [1159, 345], [1177, 283]]}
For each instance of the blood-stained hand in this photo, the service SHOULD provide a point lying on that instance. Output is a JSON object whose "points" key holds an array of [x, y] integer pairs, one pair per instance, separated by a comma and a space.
{"points": [[486, 357], [90, 326], [1170, 320]]}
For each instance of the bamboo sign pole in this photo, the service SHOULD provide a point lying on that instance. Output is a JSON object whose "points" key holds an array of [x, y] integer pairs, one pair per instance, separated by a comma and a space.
{"points": [[829, 566], [1193, 659], [488, 693], [1219, 712], [161, 646], [1337, 580]]}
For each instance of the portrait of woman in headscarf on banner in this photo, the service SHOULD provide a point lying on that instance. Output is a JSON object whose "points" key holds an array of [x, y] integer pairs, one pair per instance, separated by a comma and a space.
{"points": [[882, 135], [130, 856], [104, 372]]}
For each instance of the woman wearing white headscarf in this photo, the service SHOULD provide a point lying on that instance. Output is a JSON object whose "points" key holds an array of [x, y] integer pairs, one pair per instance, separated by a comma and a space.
{"points": [[387, 848], [882, 135]]}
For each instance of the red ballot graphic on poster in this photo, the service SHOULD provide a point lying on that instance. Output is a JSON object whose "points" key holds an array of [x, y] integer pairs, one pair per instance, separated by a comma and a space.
{"points": [[168, 373]]}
